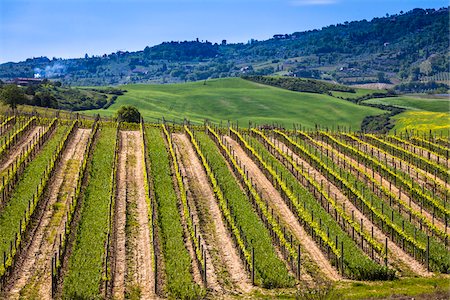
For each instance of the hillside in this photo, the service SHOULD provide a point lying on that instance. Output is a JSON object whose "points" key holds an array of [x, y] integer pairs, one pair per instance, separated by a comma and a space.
{"points": [[402, 47], [239, 100]]}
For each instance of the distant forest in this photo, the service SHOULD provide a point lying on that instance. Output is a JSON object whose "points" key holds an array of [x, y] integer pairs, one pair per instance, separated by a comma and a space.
{"points": [[406, 47]]}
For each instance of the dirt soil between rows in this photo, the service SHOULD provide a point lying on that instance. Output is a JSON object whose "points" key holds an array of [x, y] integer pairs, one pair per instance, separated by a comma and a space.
{"points": [[211, 276], [277, 203], [19, 147], [133, 254], [33, 276], [118, 245], [219, 243]]}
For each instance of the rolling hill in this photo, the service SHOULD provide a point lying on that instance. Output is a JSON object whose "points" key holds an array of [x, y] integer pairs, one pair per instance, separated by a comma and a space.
{"points": [[239, 100]]}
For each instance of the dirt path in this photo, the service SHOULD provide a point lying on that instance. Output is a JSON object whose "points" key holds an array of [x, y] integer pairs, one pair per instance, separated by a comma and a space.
{"points": [[223, 255], [278, 205], [19, 147], [389, 185], [211, 275], [132, 255], [396, 256], [119, 257], [196, 275], [140, 272], [33, 278]]}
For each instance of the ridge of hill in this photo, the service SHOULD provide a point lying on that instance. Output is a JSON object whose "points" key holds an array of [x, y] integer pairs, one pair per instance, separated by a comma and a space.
{"points": [[407, 46]]}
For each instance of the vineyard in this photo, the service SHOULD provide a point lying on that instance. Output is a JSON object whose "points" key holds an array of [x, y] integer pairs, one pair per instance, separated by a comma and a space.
{"points": [[93, 209]]}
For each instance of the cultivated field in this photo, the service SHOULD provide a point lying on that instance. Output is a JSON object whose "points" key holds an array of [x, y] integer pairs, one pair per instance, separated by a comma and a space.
{"points": [[91, 209]]}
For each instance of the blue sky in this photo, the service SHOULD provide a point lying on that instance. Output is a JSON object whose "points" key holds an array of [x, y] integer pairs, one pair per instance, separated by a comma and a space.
{"points": [[71, 28]]}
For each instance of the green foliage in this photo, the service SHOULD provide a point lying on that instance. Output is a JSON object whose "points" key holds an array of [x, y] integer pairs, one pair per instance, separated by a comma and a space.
{"points": [[179, 281], [423, 87], [85, 267], [362, 94], [52, 94], [300, 85], [181, 51], [428, 103], [72, 98], [129, 114], [45, 99], [12, 95]]}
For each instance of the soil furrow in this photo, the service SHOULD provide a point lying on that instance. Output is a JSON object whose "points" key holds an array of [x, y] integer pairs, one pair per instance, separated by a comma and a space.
{"points": [[278, 205], [211, 275], [19, 147], [139, 272], [118, 253], [33, 277], [132, 255], [219, 243], [186, 235]]}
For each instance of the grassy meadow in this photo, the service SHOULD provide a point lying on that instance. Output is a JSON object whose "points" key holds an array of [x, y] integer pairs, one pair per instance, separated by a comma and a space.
{"points": [[415, 103], [238, 100]]}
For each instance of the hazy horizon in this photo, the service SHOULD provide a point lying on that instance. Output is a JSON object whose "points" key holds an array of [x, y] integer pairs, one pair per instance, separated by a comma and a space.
{"points": [[76, 27]]}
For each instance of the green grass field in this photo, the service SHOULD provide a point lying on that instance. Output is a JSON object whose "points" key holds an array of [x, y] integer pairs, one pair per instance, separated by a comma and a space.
{"points": [[238, 100], [415, 103]]}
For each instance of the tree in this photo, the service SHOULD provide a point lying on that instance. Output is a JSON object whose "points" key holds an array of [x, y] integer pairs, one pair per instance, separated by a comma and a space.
{"points": [[45, 99], [425, 68], [12, 95], [129, 113], [382, 78]]}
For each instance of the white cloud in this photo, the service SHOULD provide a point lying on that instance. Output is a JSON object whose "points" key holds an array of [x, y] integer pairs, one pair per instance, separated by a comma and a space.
{"points": [[312, 2]]}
